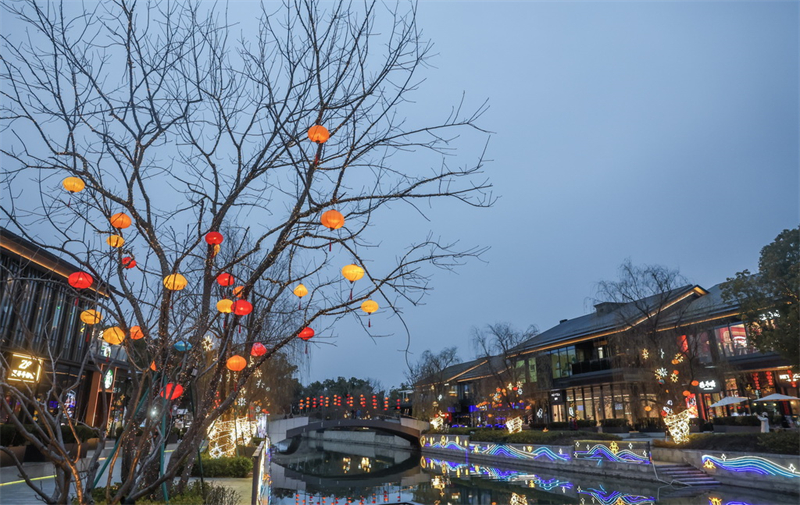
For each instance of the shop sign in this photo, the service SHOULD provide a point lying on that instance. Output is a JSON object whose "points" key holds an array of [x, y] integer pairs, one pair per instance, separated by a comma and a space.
{"points": [[789, 377], [557, 397], [709, 386], [108, 379], [24, 368]]}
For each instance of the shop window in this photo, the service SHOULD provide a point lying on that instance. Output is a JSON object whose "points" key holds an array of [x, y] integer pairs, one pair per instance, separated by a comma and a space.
{"points": [[700, 347], [732, 340], [532, 377]]}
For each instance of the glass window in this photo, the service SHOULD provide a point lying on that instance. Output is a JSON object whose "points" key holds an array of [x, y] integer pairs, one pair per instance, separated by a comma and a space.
{"points": [[519, 371], [555, 364], [532, 377], [700, 348], [732, 340]]}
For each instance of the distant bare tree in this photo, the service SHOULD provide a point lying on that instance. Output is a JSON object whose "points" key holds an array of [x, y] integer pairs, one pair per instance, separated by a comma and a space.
{"points": [[428, 376], [494, 343], [167, 119]]}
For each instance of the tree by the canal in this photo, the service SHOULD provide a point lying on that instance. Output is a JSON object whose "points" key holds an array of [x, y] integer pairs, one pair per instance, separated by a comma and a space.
{"points": [[428, 375], [769, 300], [180, 127], [507, 380]]}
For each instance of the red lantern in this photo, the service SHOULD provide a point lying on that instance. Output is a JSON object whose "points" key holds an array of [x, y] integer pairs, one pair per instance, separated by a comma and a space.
{"points": [[172, 391], [306, 333], [258, 349], [214, 238], [225, 279], [242, 307], [80, 280], [128, 262]]}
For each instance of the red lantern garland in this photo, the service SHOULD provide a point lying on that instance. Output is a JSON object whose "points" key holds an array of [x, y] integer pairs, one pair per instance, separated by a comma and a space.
{"points": [[258, 349], [80, 280]]}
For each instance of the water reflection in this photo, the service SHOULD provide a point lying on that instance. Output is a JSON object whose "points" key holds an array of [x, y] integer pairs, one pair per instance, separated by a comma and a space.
{"points": [[331, 473]]}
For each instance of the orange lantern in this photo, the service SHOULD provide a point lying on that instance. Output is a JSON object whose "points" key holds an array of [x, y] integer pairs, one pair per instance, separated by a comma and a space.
{"points": [[648, 408], [73, 184], [114, 335], [91, 316], [352, 273], [225, 306], [237, 291], [236, 363], [695, 383], [172, 391], [128, 262], [242, 307], [332, 219], [120, 221], [258, 349], [318, 134], [369, 307], [300, 291], [80, 280], [686, 393], [214, 238], [224, 279], [153, 366], [175, 282], [306, 334], [136, 332], [115, 241]]}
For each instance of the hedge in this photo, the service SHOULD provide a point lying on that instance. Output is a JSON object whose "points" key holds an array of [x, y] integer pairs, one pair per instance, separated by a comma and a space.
{"points": [[777, 442], [9, 436], [737, 421], [529, 436], [238, 466], [217, 494]]}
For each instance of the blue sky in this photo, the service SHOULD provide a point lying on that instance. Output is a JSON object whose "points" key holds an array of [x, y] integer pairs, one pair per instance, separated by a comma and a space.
{"points": [[664, 132]]}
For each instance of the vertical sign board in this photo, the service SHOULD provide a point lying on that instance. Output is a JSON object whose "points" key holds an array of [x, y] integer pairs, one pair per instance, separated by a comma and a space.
{"points": [[24, 368], [556, 397]]}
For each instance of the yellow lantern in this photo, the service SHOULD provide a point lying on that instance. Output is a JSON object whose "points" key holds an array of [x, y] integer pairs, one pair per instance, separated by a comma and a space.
{"points": [[120, 220], [175, 282], [352, 272], [225, 306], [300, 291], [114, 335], [115, 241], [369, 306], [73, 184], [91, 316]]}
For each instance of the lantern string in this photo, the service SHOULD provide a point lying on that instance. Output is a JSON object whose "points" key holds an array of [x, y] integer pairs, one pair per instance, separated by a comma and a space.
{"points": [[351, 294]]}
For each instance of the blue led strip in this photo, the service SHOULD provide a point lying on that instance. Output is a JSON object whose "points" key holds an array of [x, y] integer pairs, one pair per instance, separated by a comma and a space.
{"points": [[615, 497], [599, 451], [549, 485], [509, 451], [442, 442], [752, 464], [497, 474]]}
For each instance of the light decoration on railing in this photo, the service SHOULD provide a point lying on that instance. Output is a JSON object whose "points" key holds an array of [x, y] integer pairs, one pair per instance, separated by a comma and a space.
{"points": [[518, 499], [443, 442], [678, 425], [509, 451], [752, 464], [514, 425], [598, 451], [615, 497], [437, 423], [223, 436]]}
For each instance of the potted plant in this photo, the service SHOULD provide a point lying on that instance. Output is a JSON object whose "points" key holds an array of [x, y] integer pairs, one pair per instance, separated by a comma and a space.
{"points": [[737, 424], [10, 439]]}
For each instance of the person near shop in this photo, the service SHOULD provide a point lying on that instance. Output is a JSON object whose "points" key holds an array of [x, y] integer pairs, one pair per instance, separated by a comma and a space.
{"points": [[764, 422]]}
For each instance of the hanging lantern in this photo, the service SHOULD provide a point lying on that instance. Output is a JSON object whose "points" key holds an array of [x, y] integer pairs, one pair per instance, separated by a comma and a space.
{"points": [[648, 408], [215, 250], [224, 279], [136, 332], [120, 221], [332, 219], [686, 393], [114, 335], [225, 306], [175, 282], [73, 184], [695, 383], [80, 280], [172, 391], [91, 316], [214, 238], [306, 334], [153, 366], [237, 291], [236, 363], [318, 134], [242, 307], [115, 241], [182, 346], [300, 291], [352, 273], [258, 349], [369, 307], [128, 262]]}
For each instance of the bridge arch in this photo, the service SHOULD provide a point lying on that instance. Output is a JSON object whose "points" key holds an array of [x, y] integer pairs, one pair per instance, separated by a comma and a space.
{"points": [[406, 428]]}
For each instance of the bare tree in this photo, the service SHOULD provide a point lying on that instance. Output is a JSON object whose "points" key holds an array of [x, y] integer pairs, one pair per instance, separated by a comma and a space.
{"points": [[168, 120], [429, 376], [495, 343]]}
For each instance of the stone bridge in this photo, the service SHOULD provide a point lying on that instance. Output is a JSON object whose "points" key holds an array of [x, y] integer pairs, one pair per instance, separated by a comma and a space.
{"points": [[405, 427]]}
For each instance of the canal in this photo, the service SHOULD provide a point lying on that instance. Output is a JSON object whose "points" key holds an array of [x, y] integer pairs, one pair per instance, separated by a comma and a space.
{"points": [[320, 472]]}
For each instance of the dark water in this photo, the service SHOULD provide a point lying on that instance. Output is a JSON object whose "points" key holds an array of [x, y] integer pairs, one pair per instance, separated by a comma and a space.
{"points": [[325, 473]]}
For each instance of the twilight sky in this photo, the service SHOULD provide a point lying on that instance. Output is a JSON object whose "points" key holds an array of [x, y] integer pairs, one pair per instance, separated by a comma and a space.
{"points": [[663, 132], [666, 132]]}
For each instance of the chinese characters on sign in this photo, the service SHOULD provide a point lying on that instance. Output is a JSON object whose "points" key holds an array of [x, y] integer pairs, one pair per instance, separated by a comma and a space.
{"points": [[24, 368]]}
